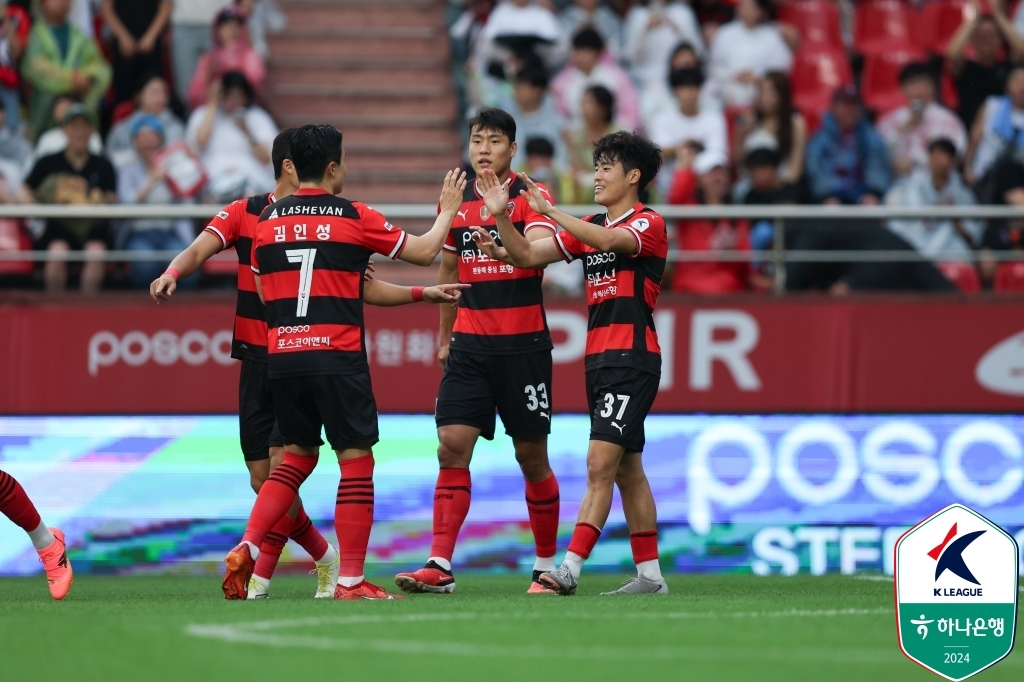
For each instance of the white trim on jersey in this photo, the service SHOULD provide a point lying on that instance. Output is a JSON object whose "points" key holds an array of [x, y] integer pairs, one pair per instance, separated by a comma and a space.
{"points": [[398, 247], [224, 242]]}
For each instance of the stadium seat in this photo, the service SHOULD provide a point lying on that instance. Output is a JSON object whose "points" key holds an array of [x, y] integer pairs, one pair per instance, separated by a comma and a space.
{"points": [[1010, 277], [884, 25], [817, 72], [963, 275], [816, 20], [881, 82], [940, 19], [224, 263], [13, 239]]}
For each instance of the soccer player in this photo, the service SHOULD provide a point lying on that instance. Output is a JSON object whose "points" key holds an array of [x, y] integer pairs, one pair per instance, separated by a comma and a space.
{"points": [[309, 254], [496, 353], [624, 252], [49, 542], [260, 438]]}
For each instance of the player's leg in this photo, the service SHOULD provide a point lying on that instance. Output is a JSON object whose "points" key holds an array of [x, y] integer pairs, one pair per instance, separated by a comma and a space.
{"points": [[299, 418], [49, 542], [522, 384], [465, 411]]}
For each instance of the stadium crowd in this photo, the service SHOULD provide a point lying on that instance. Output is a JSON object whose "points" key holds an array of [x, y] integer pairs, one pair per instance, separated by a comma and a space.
{"points": [[754, 102]]}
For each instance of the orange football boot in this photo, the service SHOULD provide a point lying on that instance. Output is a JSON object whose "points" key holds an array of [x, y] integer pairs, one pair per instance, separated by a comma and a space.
{"points": [[364, 590], [58, 569], [239, 566]]}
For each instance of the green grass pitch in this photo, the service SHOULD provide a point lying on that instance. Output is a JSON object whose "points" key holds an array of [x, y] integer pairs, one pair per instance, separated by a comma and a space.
{"points": [[720, 627]]}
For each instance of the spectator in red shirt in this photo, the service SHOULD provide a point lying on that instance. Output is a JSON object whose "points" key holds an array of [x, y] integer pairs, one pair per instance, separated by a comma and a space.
{"points": [[706, 180], [13, 37], [231, 52]]}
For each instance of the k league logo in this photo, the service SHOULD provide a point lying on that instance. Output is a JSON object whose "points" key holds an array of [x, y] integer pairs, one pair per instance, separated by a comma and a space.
{"points": [[956, 592]]}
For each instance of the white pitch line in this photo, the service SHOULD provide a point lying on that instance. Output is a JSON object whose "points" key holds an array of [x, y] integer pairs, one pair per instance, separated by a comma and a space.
{"points": [[876, 578]]}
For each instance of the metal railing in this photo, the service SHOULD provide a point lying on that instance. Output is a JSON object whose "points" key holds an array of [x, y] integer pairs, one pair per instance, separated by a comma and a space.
{"points": [[778, 215]]}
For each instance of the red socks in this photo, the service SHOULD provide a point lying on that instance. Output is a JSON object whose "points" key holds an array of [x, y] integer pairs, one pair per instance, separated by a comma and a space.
{"points": [[542, 503], [15, 505], [277, 495], [644, 545], [584, 537], [451, 505], [307, 536], [353, 513], [273, 545]]}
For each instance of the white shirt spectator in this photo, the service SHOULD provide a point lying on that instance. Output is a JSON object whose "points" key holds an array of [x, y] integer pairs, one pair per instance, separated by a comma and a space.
{"points": [[602, 19], [932, 237], [937, 122], [199, 12], [520, 18], [993, 141], [737, 49], [647, 49], [228, 158], [672, 128], [656, 98]]}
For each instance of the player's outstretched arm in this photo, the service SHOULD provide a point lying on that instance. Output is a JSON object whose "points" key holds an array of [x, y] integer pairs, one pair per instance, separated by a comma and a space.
{"points": [[422, 250], [385, 294], [618, 240], [185, 263], [521, 251]]}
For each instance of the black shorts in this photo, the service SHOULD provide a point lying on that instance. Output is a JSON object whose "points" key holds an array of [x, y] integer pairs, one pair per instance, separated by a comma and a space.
{"points": [[342, 405], [620, 399], [519, 386], [257, 426]]}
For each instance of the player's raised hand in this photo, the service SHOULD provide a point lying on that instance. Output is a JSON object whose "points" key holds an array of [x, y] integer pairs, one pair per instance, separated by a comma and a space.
{"points": [[162, 287], [485, 240], [494, 190], [445, 293], [538, 201], [451, 192]]}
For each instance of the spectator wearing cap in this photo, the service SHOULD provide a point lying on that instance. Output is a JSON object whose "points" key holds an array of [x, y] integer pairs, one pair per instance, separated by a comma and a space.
{"points": [[519, 25], [657, 97], [143, 181], [73, 176], [998, 130], [534, 111], [652, 31], [61, 60], [54, 140], [591, 13], [13, 39], [983, 74], [746, 49], [233, 138], [704, 180], [908, 130], [776, 124], [589, 65], [231, 52], [598, 120], [138, 27], [152, 98], [847, 162], [938, 184], [687, 122], [190, 38]]}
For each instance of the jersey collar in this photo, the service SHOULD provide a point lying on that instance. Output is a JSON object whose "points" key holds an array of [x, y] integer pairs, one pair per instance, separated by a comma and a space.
{"points": [[608, 222], [309, 192], [271, 198]]}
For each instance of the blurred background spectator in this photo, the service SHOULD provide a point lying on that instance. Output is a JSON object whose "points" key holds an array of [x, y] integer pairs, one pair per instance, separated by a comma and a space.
{"points": [[653, 30], [138, 27], [61, 60], [231, 51], [744, 50], [591, 13], [13, 40], [774, 124], [598, 120], [73, 176], [233, 137], [540, 165], [517, 26], [191, 38], [657, 96], [144, 181], [982, 74], [54, 140], [590, 64], [152, 98], [262, 17], [998, 131], [15, 154], [847, 162], [534, 111]]}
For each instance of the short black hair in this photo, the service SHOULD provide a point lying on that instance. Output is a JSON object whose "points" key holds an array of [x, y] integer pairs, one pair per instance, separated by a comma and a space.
{"points": [[535, 75], [944, 144], [313, 148], [633, 151], [237, 80], [605, 99], [914, 70], [540, 146], [762, 157], [588, 39], [144, 79], [281, 150], [688, 77], [494, 120]]}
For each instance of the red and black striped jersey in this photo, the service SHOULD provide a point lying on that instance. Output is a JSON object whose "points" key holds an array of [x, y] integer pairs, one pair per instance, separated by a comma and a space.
{"points": [[235, 226], [622, 291], [310, 252], [503, 312]]}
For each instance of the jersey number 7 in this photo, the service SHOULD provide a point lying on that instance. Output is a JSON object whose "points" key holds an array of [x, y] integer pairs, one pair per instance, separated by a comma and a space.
{"points": [[306, 257]]}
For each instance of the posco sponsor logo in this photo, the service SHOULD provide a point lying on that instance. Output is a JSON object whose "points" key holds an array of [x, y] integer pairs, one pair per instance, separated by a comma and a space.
{"points": [[600, 259], [298, 329], [165, 348]]}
